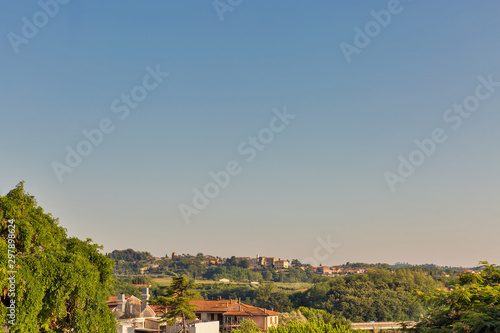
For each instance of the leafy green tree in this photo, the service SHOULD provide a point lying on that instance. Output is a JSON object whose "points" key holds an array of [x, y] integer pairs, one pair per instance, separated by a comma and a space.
{"points": [[226, 291], [255, 276], [177, 298], [248, 326], [270, 297], [267, 275], [232, 261], [472, 305], [323, 316], [130, 255], [125, 287], [61, 283], [310, 327], [244, 263], [287, 317], [232, 273]]}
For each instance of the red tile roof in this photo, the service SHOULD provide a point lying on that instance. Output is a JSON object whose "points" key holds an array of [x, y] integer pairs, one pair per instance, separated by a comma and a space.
{"points": [[113, 299], [158, 309], [231, 308], [225, 307], [249, 310], [213, 306]]}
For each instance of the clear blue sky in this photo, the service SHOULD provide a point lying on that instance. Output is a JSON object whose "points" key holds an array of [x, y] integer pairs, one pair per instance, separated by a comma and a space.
{"points": [[323, 175]]}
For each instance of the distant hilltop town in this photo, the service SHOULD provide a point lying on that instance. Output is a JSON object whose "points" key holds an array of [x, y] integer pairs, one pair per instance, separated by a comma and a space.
{"points": [[247, 269], [222, 269]]}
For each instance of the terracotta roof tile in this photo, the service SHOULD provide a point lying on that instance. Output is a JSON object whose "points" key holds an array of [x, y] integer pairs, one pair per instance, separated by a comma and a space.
{"points": [[113, 299], [225, 307], [213, 306], [158, 309], [231, 308], [249, 310]]}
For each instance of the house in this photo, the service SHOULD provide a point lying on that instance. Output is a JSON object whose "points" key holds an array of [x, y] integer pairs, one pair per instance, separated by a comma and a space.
{"points": [[134, 315], [336, 269], [229, 313], [467, 271], [215, 261], [148, 268], [324, 270], [254, 262], [267, 261], [137, 316], [196, 327], [193, 326], [281, 264]]}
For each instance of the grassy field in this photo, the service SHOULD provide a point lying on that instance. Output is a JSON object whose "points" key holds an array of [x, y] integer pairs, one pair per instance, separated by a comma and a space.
{"points": [[287, 287], [292, 287]]}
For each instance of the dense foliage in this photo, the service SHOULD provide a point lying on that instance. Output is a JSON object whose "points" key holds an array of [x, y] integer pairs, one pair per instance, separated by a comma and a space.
{"points": [[379, 295], [472, 305], [129, 255], [322, 316], [62, 283], [249, 326], [228, 291], [311, 327], [266, 296]]}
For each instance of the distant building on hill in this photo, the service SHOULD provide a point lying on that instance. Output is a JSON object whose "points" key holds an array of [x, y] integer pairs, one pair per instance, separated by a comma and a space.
{"points": [[337, 270], [281, 264], [254, 262], [267, 261]]}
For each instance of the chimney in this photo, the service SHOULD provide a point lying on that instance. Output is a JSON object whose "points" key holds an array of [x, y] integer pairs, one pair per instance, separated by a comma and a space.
{"points": [[219, 298], [120, 302], [145, 294], [265, 310]]}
